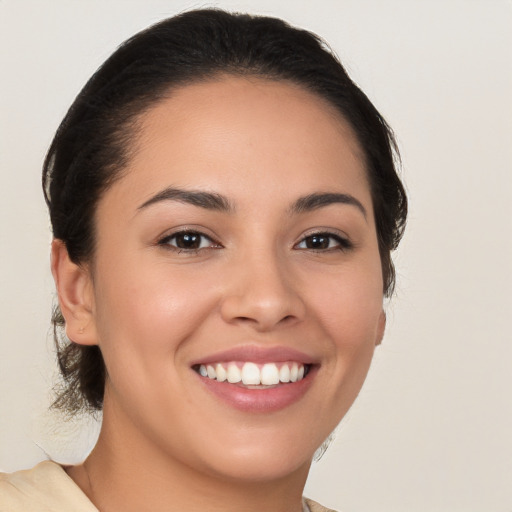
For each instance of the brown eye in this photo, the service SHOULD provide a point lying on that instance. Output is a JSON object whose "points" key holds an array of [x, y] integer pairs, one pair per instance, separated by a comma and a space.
{"points": [[317, 242], [188, 241], [323, 242]]}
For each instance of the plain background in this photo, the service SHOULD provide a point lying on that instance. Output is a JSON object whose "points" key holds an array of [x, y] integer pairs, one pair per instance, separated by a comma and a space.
{"points": [[432, 428]]}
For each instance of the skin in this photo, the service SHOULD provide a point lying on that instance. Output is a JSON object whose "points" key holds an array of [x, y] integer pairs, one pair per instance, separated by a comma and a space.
{"points": [[166, 442]]}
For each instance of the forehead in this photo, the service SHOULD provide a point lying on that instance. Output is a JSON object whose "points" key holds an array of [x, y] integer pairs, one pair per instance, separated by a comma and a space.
{"points": [[274, 137]]}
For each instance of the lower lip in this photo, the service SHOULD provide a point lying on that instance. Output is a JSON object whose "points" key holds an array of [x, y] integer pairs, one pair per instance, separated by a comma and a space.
{"points": [[260, 400]]}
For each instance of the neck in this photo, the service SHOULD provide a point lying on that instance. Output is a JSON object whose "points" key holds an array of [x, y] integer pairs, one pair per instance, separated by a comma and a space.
{"points": [[126, 473]]}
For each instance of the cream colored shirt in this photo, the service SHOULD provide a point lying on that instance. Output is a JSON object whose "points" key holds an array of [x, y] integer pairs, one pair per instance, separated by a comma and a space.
{"points": [[48, 488]]}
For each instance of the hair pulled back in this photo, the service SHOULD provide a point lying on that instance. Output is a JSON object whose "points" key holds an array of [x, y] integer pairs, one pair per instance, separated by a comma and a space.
{"points": [[92, 144]]}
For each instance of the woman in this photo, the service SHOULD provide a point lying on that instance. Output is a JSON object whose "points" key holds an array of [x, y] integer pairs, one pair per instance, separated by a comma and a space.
{"points": [[224, 203]]}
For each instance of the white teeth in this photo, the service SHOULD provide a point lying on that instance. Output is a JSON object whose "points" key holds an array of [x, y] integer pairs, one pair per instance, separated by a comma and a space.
{"points": [[234, 374], [252, 374], [284, 373], [269, 374], [221, 373], [294, 373], [210, 370]]}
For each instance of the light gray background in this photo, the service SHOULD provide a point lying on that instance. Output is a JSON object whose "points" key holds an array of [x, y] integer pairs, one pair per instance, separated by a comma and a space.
{"points": [[432, 428]]}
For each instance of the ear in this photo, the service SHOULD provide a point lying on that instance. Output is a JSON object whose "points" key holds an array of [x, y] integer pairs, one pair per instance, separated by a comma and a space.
{"points": [[381, 327], [76, 297]]}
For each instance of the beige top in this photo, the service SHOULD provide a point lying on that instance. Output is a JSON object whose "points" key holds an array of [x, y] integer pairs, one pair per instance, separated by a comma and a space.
{"points": [[48, 488]]}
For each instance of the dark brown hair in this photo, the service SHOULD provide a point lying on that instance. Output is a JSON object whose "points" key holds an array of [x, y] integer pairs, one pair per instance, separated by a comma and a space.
{"points": [[91, 146]]}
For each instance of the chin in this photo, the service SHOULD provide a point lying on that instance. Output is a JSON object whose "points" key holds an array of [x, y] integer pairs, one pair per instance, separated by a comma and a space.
{"points": [[268, 459], [268, 468]]}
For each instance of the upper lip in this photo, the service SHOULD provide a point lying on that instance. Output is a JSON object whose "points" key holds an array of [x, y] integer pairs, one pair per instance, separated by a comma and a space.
{"points": [[257, 354]]}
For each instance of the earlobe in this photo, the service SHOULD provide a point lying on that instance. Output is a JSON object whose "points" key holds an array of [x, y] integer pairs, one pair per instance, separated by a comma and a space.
{"points": [[381, 327], [76, 298]]}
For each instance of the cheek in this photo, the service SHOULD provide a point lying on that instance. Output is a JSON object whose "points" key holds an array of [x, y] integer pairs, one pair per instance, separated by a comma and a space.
{"points": [[349, 304], [144, 312], [349, 307]]}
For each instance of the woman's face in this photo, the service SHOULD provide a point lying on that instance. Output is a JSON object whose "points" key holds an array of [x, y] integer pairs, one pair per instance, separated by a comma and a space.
{"points": [[240, 243]]}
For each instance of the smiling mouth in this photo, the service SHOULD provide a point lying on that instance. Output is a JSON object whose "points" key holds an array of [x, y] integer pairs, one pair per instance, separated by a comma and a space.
{"points": [[253, 375]]}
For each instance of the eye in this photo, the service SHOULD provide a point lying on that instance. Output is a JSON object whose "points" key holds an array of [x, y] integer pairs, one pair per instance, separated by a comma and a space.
{"points": [[324, 242], [188, 240]]}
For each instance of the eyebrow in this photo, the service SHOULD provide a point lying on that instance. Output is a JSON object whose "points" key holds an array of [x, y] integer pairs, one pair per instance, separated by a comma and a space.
{"points": [[207, 200], [218, 202], [320, 200]]}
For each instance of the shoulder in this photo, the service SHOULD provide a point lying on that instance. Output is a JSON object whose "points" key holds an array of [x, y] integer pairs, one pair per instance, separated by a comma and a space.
{"points": [[316, 507], [44, 488]]}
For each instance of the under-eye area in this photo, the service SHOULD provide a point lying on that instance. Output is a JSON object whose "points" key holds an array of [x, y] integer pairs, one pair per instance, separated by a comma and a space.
{"points": [[253, 374]]}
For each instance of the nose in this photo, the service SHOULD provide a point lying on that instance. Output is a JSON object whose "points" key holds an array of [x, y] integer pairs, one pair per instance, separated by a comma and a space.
{"points": [[262, 293]]}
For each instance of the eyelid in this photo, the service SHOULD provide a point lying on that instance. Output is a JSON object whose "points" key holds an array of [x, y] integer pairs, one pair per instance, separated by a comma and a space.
{"points": [[188, 228]]}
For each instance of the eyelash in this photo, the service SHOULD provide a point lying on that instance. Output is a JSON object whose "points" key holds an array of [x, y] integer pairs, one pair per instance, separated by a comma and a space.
{"points": [[340, 243]]}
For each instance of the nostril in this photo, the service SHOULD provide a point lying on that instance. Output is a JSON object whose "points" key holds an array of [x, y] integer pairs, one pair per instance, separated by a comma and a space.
{"points": [[268, 321]]}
